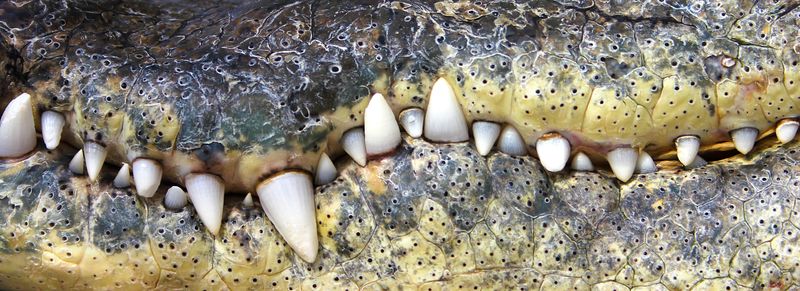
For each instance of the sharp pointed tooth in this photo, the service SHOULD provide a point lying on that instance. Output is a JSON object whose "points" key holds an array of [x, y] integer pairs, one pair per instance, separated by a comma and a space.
{"points": [[52, 125], [485, 134], [511, 142], [553, 150], [444, 121], [146, 176], [17, 131], [623, 162], [687, 147], [744, 139], [175, 198], [288, 200], [353, 144], [412, 120], [123, 178], [95, 156], [248, 201], [326, 170], [76, 164], [581, 162], [207, 193], [645, 164], [786, 130], [697, 163], [381, 133]]}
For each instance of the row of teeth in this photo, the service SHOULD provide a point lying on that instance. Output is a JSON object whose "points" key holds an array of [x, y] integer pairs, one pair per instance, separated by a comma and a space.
{"points": [[287, 197]]}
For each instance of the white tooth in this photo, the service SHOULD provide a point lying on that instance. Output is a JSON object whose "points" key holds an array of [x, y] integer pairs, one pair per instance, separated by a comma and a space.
{"points": [[353, 144], [326, 170], [412, 120], [248, 201], [553, 150], [744, 139], [511, 142], [381, 133], [207, 193], [444, 121], [17, 132], [123, 178], [687, 147], [52, 125], [623, 162], [76, 164], [95, 156], [786, 130], [697, 163], [146, 176], [288, 200], [175, 198], [485, 134], [645, 164], [581, 162]]}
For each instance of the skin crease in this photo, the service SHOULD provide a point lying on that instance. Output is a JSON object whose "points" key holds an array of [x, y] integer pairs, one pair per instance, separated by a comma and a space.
{"points": [[244, 91]]}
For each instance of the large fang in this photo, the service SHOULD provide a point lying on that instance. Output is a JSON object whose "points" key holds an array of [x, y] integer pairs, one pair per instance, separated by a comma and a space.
{"points": [[581, 162], [288, 200], [623, 162], [511, 142], [553, 151], [786, 130], [744, 139], [207, 193], [485, 134], [76, 164], [326, 170], [123, 178], [645, 164], [95, 156], [411, 120], [444, 121], [687, 147], [52, 125], [353, 145], [175, 198], [146, 176], [381, 133], [17, 131]]}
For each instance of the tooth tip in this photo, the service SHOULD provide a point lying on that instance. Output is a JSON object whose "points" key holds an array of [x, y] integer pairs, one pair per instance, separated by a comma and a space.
{"points": [[553, 151], [744, 139], [485, 134], [381, 132], [326, 170], [123, 178], [444, 120], [687, 148], [17, 131], [786, 130], [207, 193], [146, 176], [581, 162], [288, 201], [411, 119], [248, 201], [175, 198], [76, 165], [645, 164], [353, 144], [623, 162], [94, 155], [52, 126]]}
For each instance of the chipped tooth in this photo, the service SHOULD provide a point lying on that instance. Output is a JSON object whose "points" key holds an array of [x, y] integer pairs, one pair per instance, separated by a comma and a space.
{"points": [[123, 178], [744, 139], [207, 193], [353, 145], [444, 121], [248, 201], [687, 147], [786, 130], [76, 164], [485, 134], [623, 162], [381, 133], [146, 176], [511, 142], [288, 200], [697, 163], [645, 164], [326, 170], [553, 150], [52, 125], [94, 155], [17, 131], [412, 120], [581, 162], [175, 198]]}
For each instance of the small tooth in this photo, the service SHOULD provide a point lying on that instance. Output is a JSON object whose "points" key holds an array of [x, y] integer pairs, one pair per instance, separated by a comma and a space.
{"points": [[76, 164], [444, 121], [553, 150], [52, 125], [146, 176], [175, 198], [123, 178], [95, 156], [207, 193], [744, 139], [623, 162], [485, 134], [687, 147], [412, 120], [248, 201], [353, 144], [326, 170], [786, 130], [645, 164], [17, 131], [697, 163], [511, 142], [381, 133], [288, 200], [581, 162]]}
